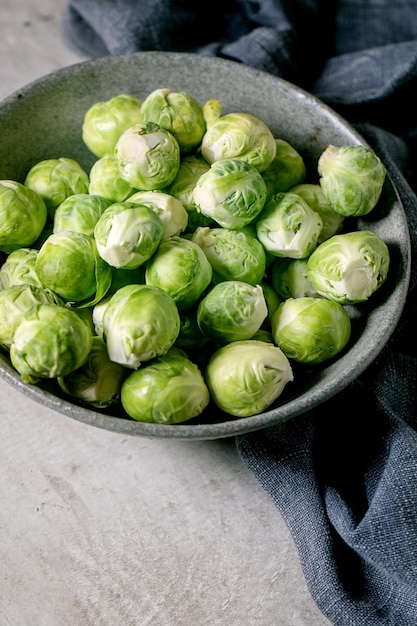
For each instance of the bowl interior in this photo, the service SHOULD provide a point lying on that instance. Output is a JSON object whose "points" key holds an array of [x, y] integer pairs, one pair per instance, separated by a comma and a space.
{"points": [[44, 120]]}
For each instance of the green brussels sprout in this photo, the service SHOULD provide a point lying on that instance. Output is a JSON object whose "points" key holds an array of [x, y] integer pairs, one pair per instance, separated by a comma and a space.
{"points": [[22, 216], [56, 179], [311, 330], [231, 311], [286, 170], [177, 112], [232, 193], [127, 235], [80, 213], [98, 381], [349, 267], [173, 216], [50, 341], [233, 254], [104, 122], [105, 180], [148, 156], [69, 264], [245, 377], [190, 335], [351, 178], [19, 268], [180, 268], [289, 278], [239, 135], [169, 390], [140, 322], [314, 196], [272, 300], [288, 227]]}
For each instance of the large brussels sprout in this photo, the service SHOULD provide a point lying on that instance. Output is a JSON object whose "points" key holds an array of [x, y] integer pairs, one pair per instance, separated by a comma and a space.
{"points": [[19, 268], [140, 322], [286, 170], [80, 213], [56, 179], [232, 193], [169, 390], [177, 112], [174, 217], [314, 196], [69, 264], [127, 235], [349, 267], [180, 268], [23, 215], [105, 180], [104, 122], [311, 330], [50, 341], [246, 377], [148, 156], [232, 310], [288, 227], [289, 278], [351, 178]]}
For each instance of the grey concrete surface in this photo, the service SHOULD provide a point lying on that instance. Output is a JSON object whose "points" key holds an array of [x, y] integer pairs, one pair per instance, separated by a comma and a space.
{"points": [[100, 529]]}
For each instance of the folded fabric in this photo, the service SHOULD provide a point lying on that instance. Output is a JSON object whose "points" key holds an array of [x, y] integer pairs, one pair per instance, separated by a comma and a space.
{"points": [[344, 480]]}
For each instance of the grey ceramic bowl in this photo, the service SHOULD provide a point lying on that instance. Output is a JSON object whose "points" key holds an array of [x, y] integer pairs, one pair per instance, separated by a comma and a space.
{"points": [[44, 120]]}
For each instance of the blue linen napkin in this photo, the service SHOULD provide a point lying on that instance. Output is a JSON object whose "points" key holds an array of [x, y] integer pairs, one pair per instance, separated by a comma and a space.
{"points": [[345, 480]]}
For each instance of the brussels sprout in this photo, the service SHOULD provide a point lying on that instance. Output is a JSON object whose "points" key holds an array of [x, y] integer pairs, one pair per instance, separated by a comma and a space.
{"points": [[148, 156], [177, 112], [105, 180], [104, 122], [311, 330], [190, 336], [98, 381], [79, 213], [232, 193], [233, 254], [50, 341], [69, 264], [56, 179], [180, 268], [22, 216], [19, 268], [170, 390], [239, 135], [272, 300], [314, 196], [351, 178], [173, 216], [286, 170], [289, 278], [245, 377], [231, 311], [127, 235], [288, 227], [349, 267], [140, 322]]}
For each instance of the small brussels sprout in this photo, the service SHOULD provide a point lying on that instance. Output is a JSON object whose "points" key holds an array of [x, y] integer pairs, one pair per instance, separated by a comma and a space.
{"points": [[127, 235], [232, 193], [314, 196], [245, 377], [177, 112], [288, 227], [22, 215], [69, 264], [231, 311], [272, 300], [351, 178], [239, 135], [80, 213], [104, 122], [311, 330], [148, 156], [140, 322], [19, 268], [173, 216], [180, 268], [190, 335], [56, 179], [289, 278], [349, 267], [286, 170], [50, 341], [98, 381], [105, 180], [169, 390], [233, 254]]}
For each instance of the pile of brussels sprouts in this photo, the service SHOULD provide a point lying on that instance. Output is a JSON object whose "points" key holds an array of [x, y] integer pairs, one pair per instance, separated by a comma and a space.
{"points": [[193, 264]]}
